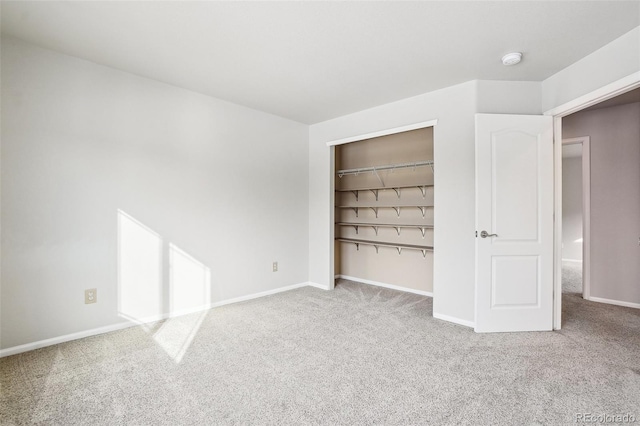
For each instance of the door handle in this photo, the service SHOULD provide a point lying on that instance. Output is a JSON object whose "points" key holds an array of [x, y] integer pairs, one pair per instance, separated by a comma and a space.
{"points": [[485, 234]]}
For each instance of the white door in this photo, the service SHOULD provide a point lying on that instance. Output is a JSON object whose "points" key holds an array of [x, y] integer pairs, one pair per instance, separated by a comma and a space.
{"points": [[514, 223]]}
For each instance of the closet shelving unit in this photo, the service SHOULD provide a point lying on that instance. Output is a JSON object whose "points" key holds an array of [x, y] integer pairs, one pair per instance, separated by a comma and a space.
{"points": [[375, 207]]}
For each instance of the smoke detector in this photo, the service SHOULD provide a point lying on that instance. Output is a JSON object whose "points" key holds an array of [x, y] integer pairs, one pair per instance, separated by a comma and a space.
{"points": [[512, 58]]}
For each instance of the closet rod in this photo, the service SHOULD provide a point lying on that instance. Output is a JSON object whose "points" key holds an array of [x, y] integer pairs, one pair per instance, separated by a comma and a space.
{"points": [[376, 169]]}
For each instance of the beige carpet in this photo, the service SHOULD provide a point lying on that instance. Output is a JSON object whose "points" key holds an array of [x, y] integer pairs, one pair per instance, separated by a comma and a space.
{"points": [[356, 355], [572, 278]]}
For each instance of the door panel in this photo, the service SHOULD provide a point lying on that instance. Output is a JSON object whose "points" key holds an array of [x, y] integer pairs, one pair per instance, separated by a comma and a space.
{"points": [[515, 186], [514, 203], [506, 295]]}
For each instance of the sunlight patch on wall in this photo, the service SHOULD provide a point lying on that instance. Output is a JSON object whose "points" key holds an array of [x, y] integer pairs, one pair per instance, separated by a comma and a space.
{"points": [[190, 282], [190, 290], [142, 295], [139, 271]]}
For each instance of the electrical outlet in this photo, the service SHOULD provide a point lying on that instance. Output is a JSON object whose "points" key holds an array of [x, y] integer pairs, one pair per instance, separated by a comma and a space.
{"points": [[275, 266], [90, 296]]}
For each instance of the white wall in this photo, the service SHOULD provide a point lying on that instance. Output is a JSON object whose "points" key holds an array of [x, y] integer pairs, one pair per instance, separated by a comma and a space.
{"points": [[610, 63], [509, 97], [106, 175], [572, 208], [615, 198]]}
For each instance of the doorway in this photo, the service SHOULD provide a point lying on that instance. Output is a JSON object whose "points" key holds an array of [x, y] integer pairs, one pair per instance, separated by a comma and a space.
{"points": [[611, 269], [610, 95], [576, 196]]}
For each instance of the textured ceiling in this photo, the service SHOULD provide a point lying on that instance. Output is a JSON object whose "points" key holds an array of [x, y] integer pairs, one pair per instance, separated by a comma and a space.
{"points": [[312, 61]]}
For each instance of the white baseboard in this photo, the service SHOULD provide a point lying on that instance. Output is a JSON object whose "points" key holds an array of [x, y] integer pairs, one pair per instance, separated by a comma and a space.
{"points": [[66, 338], [385, 285], [257, 295], [454, 320], [136, 322], [320, 286], [615, 302], [572, 260]]}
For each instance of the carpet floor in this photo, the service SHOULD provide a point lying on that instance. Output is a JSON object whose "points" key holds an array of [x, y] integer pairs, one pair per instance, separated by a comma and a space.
{"points": [[571, 277], [355, 355]]}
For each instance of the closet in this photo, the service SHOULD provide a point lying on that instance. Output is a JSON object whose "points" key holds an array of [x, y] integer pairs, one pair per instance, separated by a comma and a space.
{"points": [[384, 204]]}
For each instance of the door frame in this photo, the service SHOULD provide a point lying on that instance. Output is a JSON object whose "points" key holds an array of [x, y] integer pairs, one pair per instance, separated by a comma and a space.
{"points": [[585, 141], [608, 91]]}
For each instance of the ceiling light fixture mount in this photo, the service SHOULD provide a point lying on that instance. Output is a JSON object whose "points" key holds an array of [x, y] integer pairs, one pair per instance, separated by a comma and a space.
{"points": [[512, 58]]}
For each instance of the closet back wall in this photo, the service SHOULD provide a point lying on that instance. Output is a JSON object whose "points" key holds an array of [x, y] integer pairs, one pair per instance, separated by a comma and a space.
{"points": [[161, 198]]}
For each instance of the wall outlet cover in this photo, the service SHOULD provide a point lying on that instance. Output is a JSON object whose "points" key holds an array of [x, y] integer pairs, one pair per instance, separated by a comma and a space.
{"points": [[90, 296]]}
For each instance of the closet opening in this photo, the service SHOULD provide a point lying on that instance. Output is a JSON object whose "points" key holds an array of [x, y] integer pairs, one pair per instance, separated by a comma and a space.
{"points": [[384, 211]]}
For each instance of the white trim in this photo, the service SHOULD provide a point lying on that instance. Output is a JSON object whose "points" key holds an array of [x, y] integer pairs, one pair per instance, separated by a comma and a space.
{"points": [[585, 141], [133, 323], [609, 91], [586, 217], [454, 320], [332, 217], [320, 286], [572, 260], [61, 339], [257, 295], [557, 223], [384, 132], [385, 285], [614, 302]]}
